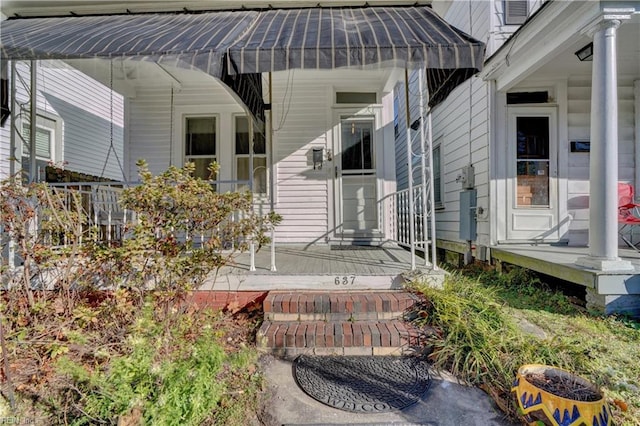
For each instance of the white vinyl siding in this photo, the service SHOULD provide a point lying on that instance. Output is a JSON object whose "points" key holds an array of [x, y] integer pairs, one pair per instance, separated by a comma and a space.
{"points": [[91, 122], [302, 113]]}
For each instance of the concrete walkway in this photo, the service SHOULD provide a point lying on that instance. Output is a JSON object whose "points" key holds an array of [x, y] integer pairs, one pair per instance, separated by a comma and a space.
{"points": [[446, 403]]}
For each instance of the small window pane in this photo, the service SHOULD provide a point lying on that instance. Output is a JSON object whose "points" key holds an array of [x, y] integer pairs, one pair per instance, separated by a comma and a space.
{"points": [[259, 173], [200, 136], [356, 98], [242, 137]]}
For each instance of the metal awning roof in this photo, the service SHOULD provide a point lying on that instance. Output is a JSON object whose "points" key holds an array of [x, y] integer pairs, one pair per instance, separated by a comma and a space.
{"points": [[353, 37], [197, 40], [235, 46]]}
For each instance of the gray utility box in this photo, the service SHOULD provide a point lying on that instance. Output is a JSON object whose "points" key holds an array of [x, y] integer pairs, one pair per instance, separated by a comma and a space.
{"points": [[468, 205]]}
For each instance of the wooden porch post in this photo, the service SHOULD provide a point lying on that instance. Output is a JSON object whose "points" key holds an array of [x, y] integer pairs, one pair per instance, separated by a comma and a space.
{"points": [[603, 161]]}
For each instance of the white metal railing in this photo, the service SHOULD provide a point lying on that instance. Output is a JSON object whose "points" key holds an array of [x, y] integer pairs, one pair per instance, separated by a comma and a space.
{"points": [[405, 211], [96, 205]]}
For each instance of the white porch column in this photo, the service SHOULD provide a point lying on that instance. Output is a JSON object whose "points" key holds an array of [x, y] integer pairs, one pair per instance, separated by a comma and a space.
{"points": [[603, 162]]}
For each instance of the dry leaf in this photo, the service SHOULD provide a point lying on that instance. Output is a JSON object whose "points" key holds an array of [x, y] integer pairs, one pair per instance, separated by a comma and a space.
{"points": [[621, 404]]}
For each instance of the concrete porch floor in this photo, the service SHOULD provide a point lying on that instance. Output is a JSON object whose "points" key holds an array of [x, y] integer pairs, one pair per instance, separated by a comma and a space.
{"points": [[611, 291], [319, 267]]}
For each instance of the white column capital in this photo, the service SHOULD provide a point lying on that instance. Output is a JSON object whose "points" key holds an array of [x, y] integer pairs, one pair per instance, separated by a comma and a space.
{"points": [[609, 18]]}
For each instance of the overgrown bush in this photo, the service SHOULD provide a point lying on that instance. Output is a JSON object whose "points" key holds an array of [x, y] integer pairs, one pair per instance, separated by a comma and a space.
{"points": [[110, 340]]}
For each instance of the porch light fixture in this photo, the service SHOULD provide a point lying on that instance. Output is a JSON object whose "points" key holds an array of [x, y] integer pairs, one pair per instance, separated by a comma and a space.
{"points": [[586, 53]]}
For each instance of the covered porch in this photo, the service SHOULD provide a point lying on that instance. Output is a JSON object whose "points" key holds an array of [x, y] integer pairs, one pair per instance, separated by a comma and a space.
{"points": [[616, 291], [216, 67]]}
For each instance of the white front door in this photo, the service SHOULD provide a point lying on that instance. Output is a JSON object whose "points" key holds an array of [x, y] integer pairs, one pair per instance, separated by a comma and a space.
{"points": [[355, 177], [532, 183]]}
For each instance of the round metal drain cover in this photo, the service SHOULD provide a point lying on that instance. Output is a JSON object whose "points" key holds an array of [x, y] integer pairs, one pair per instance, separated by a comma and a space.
{"points": [[364, 384]]}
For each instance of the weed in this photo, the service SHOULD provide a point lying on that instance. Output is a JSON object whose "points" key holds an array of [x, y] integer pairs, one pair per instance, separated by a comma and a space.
{"points": [[479, 341]]}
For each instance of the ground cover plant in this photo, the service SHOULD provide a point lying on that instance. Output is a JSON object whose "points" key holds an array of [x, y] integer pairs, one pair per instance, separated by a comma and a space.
{"points": [[101, 332], [473, 324]]}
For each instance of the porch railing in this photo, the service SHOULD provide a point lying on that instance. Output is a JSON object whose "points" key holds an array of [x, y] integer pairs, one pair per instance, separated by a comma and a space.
{"points": [[408, 220], [97, 208]]}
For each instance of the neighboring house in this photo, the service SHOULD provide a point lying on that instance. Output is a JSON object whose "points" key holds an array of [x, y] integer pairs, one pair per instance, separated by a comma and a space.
{"points": [[78, 121], [550, 126]]}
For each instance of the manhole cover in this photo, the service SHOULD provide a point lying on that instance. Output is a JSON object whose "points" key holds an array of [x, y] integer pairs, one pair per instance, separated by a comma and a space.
{"points": [[362, 383]]}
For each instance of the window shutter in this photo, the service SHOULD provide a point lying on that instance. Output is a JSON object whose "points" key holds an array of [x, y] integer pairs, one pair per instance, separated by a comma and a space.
{"points": [[515, 11]]}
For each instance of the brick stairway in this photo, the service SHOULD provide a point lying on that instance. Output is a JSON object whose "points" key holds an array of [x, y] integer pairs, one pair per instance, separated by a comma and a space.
{"points": [[337, 323]]}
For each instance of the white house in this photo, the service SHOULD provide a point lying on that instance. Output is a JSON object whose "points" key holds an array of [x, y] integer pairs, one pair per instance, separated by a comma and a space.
{"points": [[550, 126], [319, 80], [78, 121]]}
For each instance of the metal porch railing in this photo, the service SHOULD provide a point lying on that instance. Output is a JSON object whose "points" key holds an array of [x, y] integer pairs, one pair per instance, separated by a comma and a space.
{"points": [[97, 207]]}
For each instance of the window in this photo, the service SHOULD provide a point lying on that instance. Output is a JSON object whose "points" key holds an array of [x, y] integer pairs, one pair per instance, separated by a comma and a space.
{"points": [[515, 12], [44, 139], [242, 155], [516, 98], [356, 98], [48, 144], [200, 144], [437, 177]]}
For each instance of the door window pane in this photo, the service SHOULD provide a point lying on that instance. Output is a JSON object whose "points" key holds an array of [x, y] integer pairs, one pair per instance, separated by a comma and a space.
{"points": [[532, 161], [357, 145]]}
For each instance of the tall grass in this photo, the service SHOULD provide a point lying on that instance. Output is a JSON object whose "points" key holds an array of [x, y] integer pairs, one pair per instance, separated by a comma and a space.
{"points": [[477, 338]]}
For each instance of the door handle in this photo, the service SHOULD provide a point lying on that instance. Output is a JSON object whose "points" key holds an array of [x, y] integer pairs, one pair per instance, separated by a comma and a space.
{"points": [[336, 171]]}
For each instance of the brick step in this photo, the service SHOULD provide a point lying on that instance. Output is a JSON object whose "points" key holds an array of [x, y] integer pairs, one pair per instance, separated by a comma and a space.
{"points": [[292, 338], [336, 306]]}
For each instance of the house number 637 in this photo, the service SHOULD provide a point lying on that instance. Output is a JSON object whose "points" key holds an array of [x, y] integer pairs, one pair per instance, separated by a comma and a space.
{"points": [[348, 280]]}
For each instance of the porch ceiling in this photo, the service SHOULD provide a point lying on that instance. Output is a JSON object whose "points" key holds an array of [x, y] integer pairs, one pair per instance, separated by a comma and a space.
{"points": [[544, 47], [566, 64]]}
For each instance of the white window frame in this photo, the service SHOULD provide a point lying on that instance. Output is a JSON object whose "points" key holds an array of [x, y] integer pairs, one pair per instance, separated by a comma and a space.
{"points": [[187, 158], [50, 123], [438, 147], [236, 156]]}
